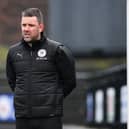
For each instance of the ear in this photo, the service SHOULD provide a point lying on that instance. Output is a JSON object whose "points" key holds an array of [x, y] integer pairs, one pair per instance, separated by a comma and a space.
{"points": [[41, 27]]}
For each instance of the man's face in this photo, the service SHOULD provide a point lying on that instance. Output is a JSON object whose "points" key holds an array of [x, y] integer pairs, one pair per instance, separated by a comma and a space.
{"points": [[31, 28]]}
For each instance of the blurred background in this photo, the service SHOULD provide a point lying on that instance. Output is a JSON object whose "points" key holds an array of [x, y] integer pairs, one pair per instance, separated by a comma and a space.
{"points": [[95, 31]]}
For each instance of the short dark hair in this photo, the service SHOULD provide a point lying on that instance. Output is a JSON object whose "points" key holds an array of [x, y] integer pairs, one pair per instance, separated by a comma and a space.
{"points": [[30, 12]]}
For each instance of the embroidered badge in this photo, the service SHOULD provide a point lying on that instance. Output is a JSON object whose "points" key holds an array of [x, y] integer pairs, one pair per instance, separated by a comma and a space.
{"points": [[42, 53]]}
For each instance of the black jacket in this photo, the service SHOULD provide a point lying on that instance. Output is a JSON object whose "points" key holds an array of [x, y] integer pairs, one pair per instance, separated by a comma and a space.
{"points": [[40, 76]]}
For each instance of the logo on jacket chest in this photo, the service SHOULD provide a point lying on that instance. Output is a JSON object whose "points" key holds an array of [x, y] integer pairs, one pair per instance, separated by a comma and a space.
{"points": [[41, 54]]}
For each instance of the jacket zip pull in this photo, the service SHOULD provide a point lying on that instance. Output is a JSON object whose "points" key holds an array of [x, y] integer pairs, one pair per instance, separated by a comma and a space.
{"points": [[31, 53]]}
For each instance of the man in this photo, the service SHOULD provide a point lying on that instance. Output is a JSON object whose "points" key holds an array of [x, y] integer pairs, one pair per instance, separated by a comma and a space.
{"points": [[41, 73]]}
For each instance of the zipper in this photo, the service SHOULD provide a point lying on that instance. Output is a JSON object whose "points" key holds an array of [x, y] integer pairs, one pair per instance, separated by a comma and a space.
{"points": [[29, 85]]}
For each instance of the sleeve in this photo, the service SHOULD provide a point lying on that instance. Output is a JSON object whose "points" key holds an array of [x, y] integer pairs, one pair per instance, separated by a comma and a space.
{"points": [[66, 69], [10, 73]]}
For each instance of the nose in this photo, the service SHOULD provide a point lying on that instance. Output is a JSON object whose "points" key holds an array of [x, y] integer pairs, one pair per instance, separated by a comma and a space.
{"points": [[26, 28]]}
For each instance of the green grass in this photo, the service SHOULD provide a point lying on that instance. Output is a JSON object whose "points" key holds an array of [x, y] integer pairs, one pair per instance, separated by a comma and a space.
{"points": [[3, 55]]}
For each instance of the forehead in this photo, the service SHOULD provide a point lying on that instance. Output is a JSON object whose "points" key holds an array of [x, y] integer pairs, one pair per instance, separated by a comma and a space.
{"points": [[27, 19]]}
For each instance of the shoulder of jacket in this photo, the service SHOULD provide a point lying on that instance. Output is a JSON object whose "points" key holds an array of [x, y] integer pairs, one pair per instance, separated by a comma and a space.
{"points": [[15, 46], [54, 43]]}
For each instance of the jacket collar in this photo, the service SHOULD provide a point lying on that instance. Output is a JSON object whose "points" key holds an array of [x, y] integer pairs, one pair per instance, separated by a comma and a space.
{"points": [[35, 43]]}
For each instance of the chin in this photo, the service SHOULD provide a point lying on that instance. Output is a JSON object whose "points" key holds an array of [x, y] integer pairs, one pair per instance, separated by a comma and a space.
{"points": [[27, 40]]}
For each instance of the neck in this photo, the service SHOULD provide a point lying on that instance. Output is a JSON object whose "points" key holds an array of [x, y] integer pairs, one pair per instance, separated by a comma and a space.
{"points": [[39, 37]]}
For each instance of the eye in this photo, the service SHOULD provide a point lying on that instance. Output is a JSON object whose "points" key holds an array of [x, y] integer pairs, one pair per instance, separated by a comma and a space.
{"points": [[31, 25], [23, 25]]}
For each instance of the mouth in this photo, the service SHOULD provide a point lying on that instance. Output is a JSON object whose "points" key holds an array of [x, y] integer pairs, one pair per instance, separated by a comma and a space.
{"points": [[26, 35]]}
